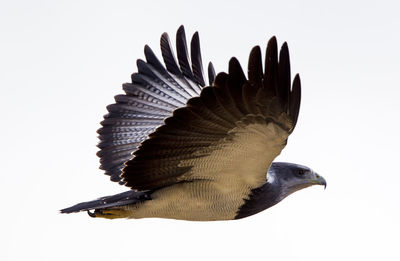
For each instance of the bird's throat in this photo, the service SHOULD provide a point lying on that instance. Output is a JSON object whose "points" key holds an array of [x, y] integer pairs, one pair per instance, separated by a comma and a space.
{"points": [[260, 199]]}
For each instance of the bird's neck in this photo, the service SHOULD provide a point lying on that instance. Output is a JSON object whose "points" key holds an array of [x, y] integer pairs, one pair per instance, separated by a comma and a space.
{"points": [[261, 198]]}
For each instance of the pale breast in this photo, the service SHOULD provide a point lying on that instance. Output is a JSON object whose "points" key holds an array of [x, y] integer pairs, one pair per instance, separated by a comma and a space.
{"points": [[196, 201]]}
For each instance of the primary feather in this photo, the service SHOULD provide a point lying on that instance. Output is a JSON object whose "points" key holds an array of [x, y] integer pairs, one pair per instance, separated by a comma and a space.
{"points": [[155, 92]]}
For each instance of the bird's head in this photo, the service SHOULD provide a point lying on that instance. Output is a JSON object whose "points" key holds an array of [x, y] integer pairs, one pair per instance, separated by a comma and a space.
{"points": [[292, 177]]}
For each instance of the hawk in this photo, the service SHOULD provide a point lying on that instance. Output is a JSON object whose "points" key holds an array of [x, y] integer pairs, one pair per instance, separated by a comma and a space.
{"points": [[195, 151]]}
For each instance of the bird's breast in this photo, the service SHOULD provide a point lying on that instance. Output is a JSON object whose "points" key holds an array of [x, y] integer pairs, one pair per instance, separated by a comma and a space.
{"points": [[199, 200]]}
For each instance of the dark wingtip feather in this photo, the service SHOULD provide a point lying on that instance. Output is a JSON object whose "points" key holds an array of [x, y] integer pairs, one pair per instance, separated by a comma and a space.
{"points": [[236, 81], [152, 59], [295, 99], [272, 47], [255, 66], [277, 79], [168, 55], [236, 71], [182, 52], [283, 89], [211, 73], [271, 66], [197, 65]]}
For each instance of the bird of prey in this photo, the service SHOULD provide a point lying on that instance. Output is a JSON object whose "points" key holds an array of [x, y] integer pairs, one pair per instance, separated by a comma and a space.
{"points": [[199, 152]]}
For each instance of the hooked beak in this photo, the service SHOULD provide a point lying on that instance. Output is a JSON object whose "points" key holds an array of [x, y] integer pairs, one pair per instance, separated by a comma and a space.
{"points": [[319, 180]]}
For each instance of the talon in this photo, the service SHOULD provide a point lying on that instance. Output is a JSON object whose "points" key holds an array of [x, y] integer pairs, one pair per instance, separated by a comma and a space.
{"points": [[92, 214], [108, 213]]}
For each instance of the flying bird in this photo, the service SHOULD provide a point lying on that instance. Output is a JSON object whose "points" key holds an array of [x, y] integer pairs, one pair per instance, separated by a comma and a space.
{"points": [[195, 151]]}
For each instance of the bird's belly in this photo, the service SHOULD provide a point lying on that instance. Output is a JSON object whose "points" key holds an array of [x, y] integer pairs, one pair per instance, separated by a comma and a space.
{"points": [[196, 201]]}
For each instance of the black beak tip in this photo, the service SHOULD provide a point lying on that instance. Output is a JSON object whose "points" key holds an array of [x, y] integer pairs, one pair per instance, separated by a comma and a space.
{"points": [[323, 183]]}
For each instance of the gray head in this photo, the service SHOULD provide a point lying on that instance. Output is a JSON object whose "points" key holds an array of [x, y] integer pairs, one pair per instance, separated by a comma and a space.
{"points": [[292, 177], [282, 180]]}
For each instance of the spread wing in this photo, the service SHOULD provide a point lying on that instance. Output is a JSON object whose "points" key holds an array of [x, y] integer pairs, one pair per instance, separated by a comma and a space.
{"points": [[155, 92], [229, 135]]}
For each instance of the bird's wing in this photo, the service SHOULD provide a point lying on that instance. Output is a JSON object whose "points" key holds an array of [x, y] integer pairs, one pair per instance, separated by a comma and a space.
{"points": [[230, 134], [155, 92]]}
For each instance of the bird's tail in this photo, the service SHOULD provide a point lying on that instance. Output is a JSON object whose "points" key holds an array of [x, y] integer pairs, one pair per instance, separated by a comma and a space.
{"points": [[110, 206]]}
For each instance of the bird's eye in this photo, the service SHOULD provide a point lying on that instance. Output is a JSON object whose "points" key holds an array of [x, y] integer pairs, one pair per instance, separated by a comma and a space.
{"points": [[300, 172]]}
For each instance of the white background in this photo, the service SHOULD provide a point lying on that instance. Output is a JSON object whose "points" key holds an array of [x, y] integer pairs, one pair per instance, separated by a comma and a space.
{"points": [[61, 63]]}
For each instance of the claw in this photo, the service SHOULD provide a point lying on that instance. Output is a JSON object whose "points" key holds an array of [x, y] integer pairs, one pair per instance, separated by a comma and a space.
{"points": [[92, 214], [109, 213]]}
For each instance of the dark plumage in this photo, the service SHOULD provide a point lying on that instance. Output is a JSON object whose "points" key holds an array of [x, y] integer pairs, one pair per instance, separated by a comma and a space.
{"points": [[193, 152]]}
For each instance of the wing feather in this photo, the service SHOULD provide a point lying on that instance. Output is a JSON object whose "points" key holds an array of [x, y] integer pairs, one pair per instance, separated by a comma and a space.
{"points": [[197, 64], [230, 134], [183, 56], [155, 92], [284, 76], [295, 98], [211, 73]]}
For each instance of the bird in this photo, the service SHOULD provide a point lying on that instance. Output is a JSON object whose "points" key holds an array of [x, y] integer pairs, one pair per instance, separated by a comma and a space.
{"points": [[193, 151]]}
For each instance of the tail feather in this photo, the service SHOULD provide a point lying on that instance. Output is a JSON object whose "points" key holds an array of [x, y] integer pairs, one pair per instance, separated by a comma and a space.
{"points": [[122, 199]]}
